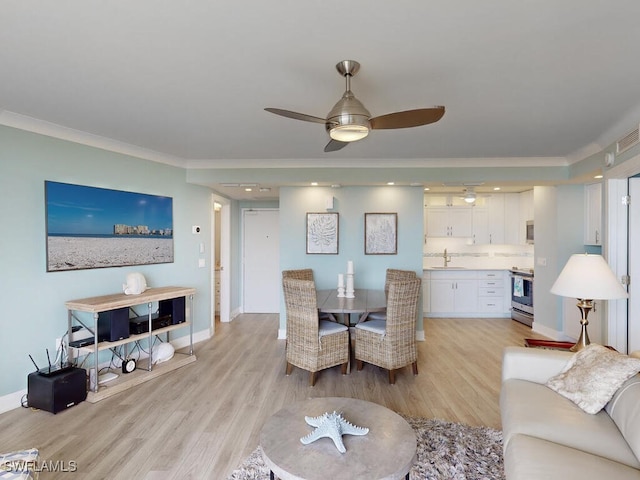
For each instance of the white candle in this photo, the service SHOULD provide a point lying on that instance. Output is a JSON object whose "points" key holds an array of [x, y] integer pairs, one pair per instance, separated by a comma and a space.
{"points": [[340, 280], [349, 266], [350, 289]]}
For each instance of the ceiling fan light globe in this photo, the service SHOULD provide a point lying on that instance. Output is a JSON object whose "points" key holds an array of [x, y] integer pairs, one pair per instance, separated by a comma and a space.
{"points": [[470, 197], [348, 133]]}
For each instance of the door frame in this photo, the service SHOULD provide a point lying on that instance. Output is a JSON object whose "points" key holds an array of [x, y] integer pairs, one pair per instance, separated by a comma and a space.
{"points": [[225, 260], [617, 250]]}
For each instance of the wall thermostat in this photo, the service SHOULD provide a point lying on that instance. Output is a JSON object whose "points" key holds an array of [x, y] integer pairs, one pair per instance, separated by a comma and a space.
{"points": [[129, 365]]}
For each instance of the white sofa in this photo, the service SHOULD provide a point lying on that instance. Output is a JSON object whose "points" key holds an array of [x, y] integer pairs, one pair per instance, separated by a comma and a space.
{"points": [[547, 436]]}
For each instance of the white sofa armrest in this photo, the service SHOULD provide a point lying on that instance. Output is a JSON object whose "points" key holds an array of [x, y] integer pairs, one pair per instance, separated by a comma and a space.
{"points": [[533, 364]]}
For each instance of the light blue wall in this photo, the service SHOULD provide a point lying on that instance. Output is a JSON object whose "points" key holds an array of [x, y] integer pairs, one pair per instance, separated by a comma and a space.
{"points": [[351, 203], [33, 311], [559, 227]]}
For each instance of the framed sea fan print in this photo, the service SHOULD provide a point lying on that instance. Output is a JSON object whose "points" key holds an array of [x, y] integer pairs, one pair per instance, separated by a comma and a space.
{"points": [[381, 233]]}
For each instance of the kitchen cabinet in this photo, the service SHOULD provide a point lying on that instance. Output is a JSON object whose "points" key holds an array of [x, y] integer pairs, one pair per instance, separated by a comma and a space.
{"points": [[526, 214], [593, 214], [512, 226], [447, 216], [454, 295], [466, 293], [449, 221], [488, 221], [492, 292]]}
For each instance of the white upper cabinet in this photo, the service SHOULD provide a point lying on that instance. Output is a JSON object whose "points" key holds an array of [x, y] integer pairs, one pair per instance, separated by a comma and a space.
{"points": [[512, 218], [447, 216], [488, 221], [497, 219], [526, 214], [593, 214]]}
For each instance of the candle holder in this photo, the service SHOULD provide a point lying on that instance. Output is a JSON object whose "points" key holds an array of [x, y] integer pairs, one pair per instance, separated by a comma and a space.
{"points": [[341, 292]]}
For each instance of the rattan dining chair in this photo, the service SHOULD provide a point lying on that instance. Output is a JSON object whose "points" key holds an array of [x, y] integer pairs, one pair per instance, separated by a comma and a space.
{"points": [[391, 344], [392, 275], [306, 274], [312, 344]]}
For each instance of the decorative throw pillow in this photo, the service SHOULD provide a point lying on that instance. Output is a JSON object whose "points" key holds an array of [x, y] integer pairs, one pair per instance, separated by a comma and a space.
{"points": [[592, 376]]}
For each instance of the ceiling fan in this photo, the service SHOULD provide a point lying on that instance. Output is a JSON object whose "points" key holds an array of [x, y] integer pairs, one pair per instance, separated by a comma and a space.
{"points": [[349, 121]]}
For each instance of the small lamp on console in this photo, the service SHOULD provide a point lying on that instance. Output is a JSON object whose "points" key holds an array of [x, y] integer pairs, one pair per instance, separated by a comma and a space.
{"points": [[587, 278]]}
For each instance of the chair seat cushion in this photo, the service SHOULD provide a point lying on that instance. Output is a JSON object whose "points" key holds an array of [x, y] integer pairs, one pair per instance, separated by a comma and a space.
{"points": [[375, 326], [328, 327], [377, 316]]}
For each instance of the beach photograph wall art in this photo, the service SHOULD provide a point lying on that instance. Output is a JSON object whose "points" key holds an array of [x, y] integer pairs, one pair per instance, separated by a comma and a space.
{"points": [[91, 227]]}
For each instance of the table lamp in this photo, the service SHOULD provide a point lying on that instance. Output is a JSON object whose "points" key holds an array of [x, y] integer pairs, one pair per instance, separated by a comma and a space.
{"points": [[587, 278]]}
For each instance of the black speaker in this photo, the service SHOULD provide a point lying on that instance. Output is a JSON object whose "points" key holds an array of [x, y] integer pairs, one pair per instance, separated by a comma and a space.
{"points": [[113, 325], [57, 392], [174, 307]]}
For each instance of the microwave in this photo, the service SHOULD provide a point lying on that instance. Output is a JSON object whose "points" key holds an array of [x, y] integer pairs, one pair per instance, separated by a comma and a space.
{"points": [[529, 232]]}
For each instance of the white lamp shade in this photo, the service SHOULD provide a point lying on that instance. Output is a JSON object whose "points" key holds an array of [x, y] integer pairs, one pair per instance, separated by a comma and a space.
{"points": [[588, 277]]}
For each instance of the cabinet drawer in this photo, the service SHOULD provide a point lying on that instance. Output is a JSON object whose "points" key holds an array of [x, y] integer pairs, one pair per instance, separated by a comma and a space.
{"points": [[489, 305], [491, 274], [487, 283], [491, 292]]}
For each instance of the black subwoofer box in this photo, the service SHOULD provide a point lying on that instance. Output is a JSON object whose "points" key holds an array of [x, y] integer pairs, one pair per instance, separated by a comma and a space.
{"points": [[57, 392], [174, 307], [113, 325]]}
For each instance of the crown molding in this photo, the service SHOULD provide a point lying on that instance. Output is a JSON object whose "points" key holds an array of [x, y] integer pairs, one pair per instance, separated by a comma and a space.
{"points": [[49, 129]]}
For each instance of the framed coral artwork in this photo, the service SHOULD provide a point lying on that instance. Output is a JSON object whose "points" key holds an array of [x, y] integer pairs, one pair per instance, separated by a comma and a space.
{"points": [[381, 233]]}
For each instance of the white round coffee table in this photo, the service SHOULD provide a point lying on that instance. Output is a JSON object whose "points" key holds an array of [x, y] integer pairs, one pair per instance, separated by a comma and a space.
{"points": [[387, 452]]}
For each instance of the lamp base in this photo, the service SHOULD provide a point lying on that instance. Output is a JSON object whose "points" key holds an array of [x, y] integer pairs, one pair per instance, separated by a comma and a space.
{"points": [[585, 307]]}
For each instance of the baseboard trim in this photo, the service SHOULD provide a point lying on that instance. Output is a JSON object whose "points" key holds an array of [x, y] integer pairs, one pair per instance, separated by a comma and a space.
{"points": [[11, 401], [548, 332], [14, 400]]}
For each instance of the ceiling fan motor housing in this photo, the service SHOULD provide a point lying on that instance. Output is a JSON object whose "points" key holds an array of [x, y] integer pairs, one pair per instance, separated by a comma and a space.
{"points": [[348, 120]]}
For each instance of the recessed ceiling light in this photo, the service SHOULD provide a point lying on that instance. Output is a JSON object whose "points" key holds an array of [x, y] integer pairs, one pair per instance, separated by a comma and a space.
{"points": [[391, 183], [426, 189], [248, 189], [598, 176], [315, 184], [336, 185], [495, 189]]}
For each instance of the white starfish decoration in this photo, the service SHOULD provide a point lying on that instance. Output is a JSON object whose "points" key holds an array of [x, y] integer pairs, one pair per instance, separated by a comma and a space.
{"points": [[332, 425]]}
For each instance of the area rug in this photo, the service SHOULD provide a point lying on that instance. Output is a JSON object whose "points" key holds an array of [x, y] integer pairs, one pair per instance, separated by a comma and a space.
{"points": [[446, 451]]}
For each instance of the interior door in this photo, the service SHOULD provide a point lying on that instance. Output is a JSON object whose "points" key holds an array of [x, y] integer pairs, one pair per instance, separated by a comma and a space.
{"points": [[261, 261]]}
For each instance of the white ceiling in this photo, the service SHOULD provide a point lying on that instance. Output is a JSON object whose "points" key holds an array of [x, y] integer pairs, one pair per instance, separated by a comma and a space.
{"points": [[187, 82]]}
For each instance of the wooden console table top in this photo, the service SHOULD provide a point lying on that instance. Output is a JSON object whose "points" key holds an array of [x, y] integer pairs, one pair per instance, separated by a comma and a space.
{"points": [[120, 300]]}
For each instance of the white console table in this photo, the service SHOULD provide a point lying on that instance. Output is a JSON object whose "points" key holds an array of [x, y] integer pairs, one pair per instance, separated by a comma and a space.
{"points": [[105, 303]]}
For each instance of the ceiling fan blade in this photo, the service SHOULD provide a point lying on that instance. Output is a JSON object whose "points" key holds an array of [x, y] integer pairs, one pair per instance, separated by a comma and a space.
{"points": [[334, 145], [408, 118], [295, 115]]}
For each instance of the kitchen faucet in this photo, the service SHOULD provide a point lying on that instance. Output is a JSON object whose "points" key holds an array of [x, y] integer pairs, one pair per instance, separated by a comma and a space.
{"points": [[447, 259]]}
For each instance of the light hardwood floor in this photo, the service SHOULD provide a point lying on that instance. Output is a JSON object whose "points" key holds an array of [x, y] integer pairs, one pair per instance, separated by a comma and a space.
{"points": [[201, 420]]}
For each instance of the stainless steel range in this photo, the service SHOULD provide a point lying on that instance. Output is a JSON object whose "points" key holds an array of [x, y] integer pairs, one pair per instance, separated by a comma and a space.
{"points": [[522, 295]]}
